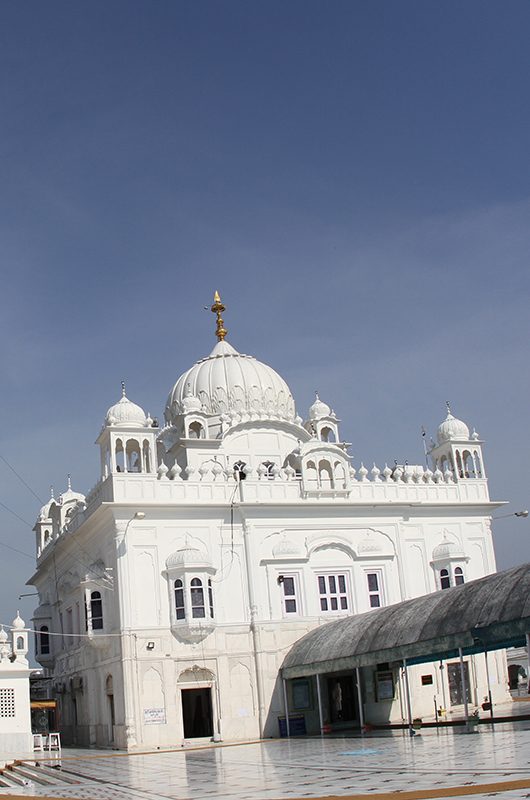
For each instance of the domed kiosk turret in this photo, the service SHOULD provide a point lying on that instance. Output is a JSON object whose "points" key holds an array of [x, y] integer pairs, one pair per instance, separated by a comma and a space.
{"points": [[127, 439], [457, 450]]}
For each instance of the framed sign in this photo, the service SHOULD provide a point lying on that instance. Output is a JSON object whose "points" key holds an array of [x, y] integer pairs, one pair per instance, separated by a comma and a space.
{"points": [[154, 716], [301, 694], [384, 685]]}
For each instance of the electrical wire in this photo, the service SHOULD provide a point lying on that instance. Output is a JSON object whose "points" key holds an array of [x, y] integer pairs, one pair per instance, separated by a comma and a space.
{"points": [[74, 635], [21, 479], [15, 514]]}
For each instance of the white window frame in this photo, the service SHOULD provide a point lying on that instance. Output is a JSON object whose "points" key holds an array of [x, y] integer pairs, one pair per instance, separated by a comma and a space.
{"points": [[380, 592], [329, 595], [296, 596]]}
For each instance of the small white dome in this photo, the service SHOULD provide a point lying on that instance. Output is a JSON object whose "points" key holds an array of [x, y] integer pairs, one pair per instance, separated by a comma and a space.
{"points": [[126, 413], [70, 495], [3, 635], [190, 402], [231, 382], [452, 428], [319, 409], [447, 550], [18, 623], [187, 556]]}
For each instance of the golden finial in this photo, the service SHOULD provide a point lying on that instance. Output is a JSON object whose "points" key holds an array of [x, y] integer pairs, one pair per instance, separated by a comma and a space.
{"points": [[218, 309]]}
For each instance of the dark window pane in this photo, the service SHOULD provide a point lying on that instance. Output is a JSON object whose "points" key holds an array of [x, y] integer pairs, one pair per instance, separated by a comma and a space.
{"points": [[375, 601], [180, 613], [342, 584], [344, 602], [373, 583], [334, 604], [332, 584], [290, 606], [198, 611], [288, 586], [321, 584], [459, 579], [444, 583], [323, 604]]}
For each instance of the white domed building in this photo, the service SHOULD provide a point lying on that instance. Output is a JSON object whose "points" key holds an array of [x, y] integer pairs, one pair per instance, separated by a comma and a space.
{"points": [[213, 543]]}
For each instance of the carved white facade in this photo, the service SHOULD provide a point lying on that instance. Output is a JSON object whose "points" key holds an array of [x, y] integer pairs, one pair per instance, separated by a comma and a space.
{"points": [[170, 594]]}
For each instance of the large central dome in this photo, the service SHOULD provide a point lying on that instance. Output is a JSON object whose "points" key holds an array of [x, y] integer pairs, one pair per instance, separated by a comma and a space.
{"points": [[228, 382]]}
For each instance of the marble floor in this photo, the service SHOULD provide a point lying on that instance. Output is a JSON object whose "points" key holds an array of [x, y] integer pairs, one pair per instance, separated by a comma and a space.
{"points": [[493, 762]]}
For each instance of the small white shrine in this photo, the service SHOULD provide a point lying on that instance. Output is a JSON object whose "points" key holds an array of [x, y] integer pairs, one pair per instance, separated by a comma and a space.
{"points": [[15, 715]]}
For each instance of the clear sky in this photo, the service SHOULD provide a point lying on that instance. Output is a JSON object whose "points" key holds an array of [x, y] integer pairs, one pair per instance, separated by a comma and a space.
{"points": [[352, 176]]}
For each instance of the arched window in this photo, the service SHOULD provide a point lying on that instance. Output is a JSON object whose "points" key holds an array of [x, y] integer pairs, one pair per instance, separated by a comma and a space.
{"points": [[134, 461], [44, 640], [478, 466], [179, 600], [459, 576], [210, 596], [459, 465], [196, 431], [327, 434], [20, 643], [469, 467], [96, 611], [147, 456], [268, 466], [445, 581], [325, 475], [239, 471], [311, 475], [120, 456], [197, 598]]}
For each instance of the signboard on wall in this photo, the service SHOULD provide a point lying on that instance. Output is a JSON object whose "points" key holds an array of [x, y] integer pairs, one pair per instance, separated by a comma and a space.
{"points": [[154, 716]]}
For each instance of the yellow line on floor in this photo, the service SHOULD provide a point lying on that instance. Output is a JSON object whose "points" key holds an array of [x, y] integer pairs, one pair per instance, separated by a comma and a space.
{"points": [[414, 794], [425, 794]]}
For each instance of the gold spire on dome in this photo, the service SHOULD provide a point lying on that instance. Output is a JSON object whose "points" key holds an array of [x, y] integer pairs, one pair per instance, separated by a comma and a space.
{"points": [[218, 309]]}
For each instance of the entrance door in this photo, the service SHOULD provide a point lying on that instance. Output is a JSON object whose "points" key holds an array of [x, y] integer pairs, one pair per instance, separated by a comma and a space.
{"points": [[197, 713], [456, 690], [342, 700]]}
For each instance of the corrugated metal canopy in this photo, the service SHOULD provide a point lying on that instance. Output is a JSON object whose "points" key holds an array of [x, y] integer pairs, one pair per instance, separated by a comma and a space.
{"points": [[488, 613]]}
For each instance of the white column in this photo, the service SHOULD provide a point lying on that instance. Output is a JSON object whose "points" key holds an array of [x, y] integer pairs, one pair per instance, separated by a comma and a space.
{"points": [[407, 689], [360, 698], [286, 707], [319, 698], [528, 662], [488, 681], [464, 685]]}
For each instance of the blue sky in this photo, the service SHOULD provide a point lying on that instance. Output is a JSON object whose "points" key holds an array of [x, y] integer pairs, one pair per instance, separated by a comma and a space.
{"points": [[353, 178]]}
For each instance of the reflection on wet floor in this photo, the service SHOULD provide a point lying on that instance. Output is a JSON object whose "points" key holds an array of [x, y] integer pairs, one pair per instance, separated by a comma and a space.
{"points": [[306, 767]]}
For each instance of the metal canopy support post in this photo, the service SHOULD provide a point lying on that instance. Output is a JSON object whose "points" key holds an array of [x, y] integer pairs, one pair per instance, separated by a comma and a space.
{"points": [[464, 685], [286, 707], [528, 662], [488, 682], [407, 690], [360, 698], [319, 698]]}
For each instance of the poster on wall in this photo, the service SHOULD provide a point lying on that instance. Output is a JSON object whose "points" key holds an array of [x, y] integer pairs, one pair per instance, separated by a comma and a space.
{"points": [[384, 685], [154, 716]]}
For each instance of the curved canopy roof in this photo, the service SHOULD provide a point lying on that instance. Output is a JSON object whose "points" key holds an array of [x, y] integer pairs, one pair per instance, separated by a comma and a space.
{"points": [[488, 613]]}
